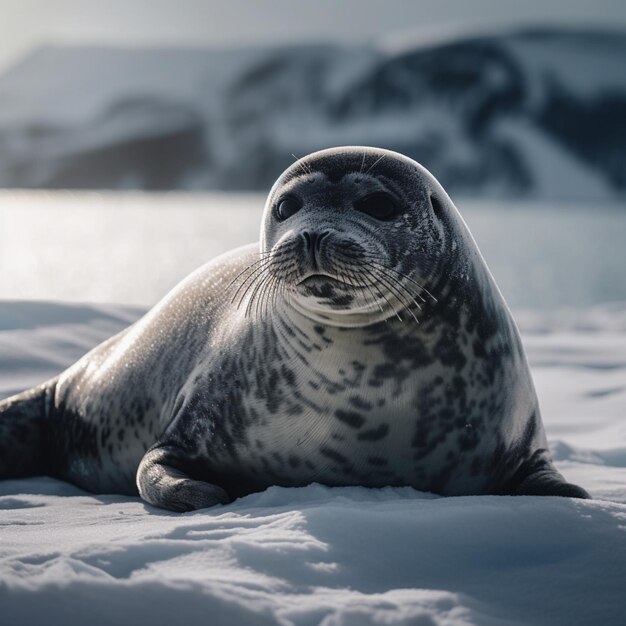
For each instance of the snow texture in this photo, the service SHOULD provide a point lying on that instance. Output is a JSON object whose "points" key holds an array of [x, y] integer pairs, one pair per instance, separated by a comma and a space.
{"points": [[336, 557]]}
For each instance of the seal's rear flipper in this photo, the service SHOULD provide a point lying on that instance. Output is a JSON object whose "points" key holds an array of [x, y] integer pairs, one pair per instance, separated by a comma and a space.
{"points": [[24, 432], [549, 483], [538, 477], [163, 483]]}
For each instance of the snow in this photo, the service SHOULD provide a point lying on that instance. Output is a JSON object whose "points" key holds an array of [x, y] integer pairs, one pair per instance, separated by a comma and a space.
{"points": [[336, 557], [556, 173], [37, 87], [585, 70]]}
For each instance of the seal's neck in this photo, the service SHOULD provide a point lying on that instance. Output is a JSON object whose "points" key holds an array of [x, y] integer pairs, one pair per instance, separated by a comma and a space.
{"points": [[349, 318]]}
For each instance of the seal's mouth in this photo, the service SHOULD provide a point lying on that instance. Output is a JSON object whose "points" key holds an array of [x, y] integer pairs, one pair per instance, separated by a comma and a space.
{"points": [[319, 280], [331, 291]]}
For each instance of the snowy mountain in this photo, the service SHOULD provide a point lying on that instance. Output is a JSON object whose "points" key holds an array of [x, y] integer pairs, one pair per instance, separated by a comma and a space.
{"points": [[528, 113]]}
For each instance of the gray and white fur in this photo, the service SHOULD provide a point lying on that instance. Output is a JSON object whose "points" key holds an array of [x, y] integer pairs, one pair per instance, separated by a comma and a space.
{"points": [[364, 342]]}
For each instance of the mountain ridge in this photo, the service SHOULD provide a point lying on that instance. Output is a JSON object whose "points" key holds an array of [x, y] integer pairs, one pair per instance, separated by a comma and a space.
{"points": [[532, 112]]}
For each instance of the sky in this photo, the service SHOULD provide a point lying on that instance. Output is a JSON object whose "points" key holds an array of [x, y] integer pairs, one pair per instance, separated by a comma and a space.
{"points": [[25, 24]]}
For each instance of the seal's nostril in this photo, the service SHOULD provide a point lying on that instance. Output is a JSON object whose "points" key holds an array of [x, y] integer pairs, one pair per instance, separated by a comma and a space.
{"points": [[312, 245], [313, 241], [318, 242]]}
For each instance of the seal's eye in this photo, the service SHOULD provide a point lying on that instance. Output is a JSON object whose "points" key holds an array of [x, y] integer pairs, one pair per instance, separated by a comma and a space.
{"points": [[287, 207], [380, 206]]}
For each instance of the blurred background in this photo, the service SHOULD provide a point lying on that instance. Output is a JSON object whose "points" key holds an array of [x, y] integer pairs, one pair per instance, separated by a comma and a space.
{"points": [[138, 138]]}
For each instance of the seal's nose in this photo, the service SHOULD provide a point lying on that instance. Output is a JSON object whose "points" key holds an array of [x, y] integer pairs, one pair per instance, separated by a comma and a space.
{"points": [[313, 240], [313, 244]]}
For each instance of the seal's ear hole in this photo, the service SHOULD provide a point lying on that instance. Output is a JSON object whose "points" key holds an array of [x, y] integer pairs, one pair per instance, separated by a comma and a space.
{"points": [[437, 207]]}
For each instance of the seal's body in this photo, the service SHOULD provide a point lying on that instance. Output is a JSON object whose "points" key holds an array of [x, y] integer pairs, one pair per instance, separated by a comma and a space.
{"points": [[364, 343]]}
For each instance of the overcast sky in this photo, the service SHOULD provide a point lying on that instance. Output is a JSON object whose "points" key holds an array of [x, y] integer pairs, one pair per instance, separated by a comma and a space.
{"points": [[28, 23]]}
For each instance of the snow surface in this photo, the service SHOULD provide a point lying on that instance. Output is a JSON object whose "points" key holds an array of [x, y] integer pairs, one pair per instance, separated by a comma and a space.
{"points": [[336, 557]]}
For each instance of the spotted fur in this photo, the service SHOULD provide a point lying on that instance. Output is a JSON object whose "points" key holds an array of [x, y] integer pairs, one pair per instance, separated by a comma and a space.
{"points": [[346, 350]]}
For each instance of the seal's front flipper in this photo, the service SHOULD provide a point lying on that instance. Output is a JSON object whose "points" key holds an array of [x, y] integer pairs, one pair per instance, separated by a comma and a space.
{"points": [[537, 477], [162, 483]]}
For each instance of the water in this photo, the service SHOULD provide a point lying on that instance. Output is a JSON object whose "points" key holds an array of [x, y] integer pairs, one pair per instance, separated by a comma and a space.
{"points": [[133, 247]]}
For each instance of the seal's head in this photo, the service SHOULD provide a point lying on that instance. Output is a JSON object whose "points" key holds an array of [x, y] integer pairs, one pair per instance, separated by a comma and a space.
{"points": [[352, 235]]}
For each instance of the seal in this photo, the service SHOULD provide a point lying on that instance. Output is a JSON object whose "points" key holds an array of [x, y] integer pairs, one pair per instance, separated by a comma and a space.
{"points": [[363, 342]]}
